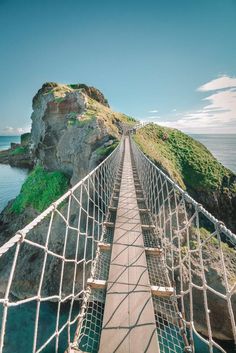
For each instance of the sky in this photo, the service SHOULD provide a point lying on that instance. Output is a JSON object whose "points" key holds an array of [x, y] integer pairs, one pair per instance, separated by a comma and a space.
{"points": [[171, 62]]}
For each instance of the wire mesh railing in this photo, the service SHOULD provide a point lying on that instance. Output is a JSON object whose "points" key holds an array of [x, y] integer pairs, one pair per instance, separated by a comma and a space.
{"points": [[45, 266], [199, 253]]}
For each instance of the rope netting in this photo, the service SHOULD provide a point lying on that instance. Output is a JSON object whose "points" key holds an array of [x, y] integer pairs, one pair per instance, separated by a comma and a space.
{"points": [[171, 332], [87, 337], [44, 268], [199, 256]]}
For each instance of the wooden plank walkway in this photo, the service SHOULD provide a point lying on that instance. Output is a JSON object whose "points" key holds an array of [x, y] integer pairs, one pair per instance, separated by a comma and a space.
{"points": [[128, 322]]}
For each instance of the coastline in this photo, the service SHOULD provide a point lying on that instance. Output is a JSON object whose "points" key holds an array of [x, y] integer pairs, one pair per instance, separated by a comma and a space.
{"points": [[8, 190], [11, 177]]}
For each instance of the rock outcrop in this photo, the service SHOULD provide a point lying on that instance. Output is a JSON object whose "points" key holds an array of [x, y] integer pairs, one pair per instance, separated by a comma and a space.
{"points": [[69, 123], [73, 130], [18, 155]]}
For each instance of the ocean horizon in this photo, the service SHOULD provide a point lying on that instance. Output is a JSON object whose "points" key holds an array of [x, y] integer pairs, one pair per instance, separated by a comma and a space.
{"points": [[5, 141], [222, 146]]}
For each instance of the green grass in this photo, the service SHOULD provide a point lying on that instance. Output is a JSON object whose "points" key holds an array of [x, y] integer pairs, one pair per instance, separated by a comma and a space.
{"points": [[187, 161], [19, 150], [130, 118], [40, 189], [105, 151], [74, 86]]}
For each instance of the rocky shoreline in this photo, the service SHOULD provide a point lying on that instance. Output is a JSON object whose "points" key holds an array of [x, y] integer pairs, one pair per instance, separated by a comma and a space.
{"points": [[18, 155]]}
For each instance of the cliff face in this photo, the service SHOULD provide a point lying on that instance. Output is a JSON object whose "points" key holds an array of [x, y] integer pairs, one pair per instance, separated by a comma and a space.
{"points": [[73, 130], [69, 123], [192, 167]]}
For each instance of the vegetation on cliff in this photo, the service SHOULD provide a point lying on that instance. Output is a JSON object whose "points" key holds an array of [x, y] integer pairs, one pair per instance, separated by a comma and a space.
{"points": [[104, 151], [19, 150], [111, 119], [186, 160], [40, 189]]}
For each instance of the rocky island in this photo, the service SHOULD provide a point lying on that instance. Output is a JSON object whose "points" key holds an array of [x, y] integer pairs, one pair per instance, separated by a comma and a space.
{"points": [[73, 130]]}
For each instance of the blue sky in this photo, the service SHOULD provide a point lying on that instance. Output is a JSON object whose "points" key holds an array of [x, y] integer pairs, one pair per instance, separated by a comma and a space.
{"points": [[154, 60]]}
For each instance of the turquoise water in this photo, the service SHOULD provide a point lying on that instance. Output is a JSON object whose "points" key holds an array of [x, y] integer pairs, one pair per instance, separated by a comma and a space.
{"points": [[11, 179], [5, 141], [21, 322], [201, 347]]}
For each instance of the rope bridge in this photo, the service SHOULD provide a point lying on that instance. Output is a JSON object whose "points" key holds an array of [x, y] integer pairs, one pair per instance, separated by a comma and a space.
{"points": [[131, 255]]}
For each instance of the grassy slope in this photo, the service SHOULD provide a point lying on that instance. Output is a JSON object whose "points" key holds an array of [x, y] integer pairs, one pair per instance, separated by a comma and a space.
{"points": [[110, 118], [187, 161], [40, 189]]}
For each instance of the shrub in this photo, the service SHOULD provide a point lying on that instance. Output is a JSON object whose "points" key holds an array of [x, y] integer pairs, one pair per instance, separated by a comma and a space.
{"points": [[74, 86]]}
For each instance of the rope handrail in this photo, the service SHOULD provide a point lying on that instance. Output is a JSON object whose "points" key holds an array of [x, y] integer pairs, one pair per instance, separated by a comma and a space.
{"points": [[199, 252]]}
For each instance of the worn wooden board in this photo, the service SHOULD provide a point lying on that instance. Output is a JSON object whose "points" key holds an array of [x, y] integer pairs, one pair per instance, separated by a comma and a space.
{"points": [[129, 322]]}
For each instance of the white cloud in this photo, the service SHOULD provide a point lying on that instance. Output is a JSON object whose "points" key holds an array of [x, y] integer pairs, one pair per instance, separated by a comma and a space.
{"points": [[219, 83], [153, 111], [9, 130], [217, 115], [174, 110]]}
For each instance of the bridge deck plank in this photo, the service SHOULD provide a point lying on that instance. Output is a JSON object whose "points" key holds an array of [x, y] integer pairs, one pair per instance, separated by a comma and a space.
{"points": [[128, 322]]}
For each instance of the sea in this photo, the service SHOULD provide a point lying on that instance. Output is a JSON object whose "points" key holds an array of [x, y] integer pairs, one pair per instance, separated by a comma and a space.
{"points": [[223, 147], [11, 178]]}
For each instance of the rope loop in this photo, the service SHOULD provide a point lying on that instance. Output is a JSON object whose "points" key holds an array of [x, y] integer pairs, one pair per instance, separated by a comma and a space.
{"points": [[22, 236], [199, 207], [220, 225]]}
